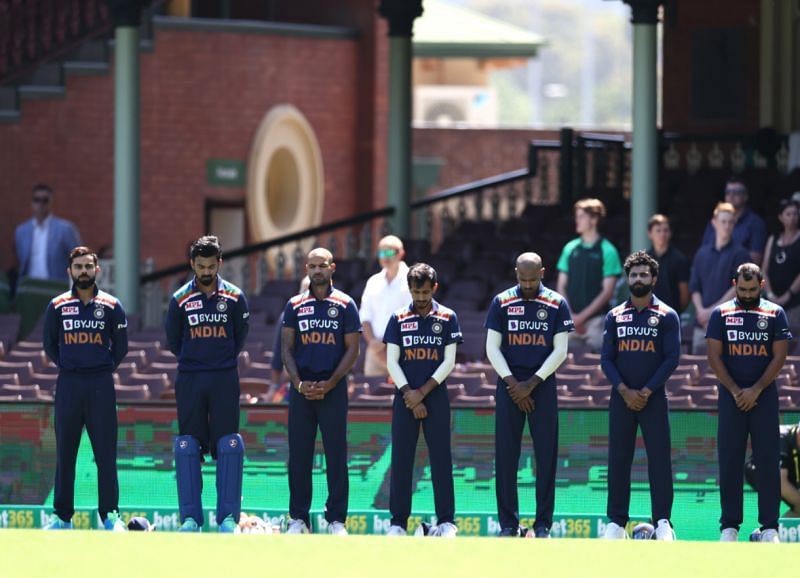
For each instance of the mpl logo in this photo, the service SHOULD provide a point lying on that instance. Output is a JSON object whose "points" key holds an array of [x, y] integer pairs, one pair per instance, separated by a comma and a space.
{"points": [[303, 324], [194, 319], [734, 321], [192, 305], [516, 310], [407, 341], [70, 311], [409, 326], [627, 318], [513, 325], [732, 335], [67, 324], [305, 311]]}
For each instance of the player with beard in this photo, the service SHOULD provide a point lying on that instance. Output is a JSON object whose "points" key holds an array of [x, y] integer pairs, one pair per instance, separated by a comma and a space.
{"points": [[641, 348], [320, 341], [748, 340], [207, 324], [86, 336]]}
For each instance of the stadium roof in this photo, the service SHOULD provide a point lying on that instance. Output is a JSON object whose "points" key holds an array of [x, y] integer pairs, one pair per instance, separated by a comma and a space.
{"points": [[448, 31]]}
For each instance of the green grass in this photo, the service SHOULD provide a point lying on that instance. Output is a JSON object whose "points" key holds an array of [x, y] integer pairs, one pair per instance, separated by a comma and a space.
{"points": [[89, 554]]}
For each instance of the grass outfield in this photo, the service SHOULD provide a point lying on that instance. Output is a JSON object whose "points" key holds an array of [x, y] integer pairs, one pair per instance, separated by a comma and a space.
{"points": [[89, 554]]}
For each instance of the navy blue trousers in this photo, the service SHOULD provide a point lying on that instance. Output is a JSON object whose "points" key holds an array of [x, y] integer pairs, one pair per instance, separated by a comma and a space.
{"points": [[405, 433], [330, 415], [543, 427], [208, 405], [85, 400], [623, 424], [762, 425]]}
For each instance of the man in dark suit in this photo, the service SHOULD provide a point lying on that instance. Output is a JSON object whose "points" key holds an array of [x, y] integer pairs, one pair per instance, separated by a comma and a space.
{"points": [[43, 242]]}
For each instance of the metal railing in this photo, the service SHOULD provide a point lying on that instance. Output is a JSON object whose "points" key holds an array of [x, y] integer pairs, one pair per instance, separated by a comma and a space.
{"points": [[547, 180]]}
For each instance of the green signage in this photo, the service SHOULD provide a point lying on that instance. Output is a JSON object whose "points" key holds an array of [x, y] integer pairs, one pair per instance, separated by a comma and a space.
{"points": [[225, 172]]}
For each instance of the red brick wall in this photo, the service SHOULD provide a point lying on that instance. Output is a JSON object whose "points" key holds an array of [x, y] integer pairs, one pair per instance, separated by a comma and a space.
{"points": [[203, 96], [680, 25]]}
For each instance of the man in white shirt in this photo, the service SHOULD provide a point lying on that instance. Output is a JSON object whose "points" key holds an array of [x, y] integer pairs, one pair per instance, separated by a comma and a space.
{"points": [[385, 293]]}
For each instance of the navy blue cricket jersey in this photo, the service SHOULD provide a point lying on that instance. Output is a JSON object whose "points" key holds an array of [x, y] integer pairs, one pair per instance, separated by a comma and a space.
{"points": [[85, 338], [641, 348], [320, 326], [207, 332], [747, 336], [422, 340], [528, 327]]}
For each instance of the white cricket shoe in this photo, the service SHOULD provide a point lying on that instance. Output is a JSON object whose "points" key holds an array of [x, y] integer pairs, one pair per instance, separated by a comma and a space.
{"points": [[396, 531], [297, 527], [614, 532], [447, 530], [729, 535], [770, 535], [337, 529], [664, 531]]}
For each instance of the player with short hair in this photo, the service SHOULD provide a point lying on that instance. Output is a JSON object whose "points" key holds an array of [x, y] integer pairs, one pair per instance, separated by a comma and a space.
{"points": [[86, 336], [320, 343], [790, 469], [421, 341], [207, 324], [641, 349], [748, 339], [526, 341]]}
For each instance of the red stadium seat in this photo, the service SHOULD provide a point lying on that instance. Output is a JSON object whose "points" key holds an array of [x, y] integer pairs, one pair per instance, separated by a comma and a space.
{"points": [[474, 401], [681, 402], [575, 401], [132, 392], [26, 392]]}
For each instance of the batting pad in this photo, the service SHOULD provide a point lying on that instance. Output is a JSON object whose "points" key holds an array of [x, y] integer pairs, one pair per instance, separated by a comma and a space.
{"points": [[190, 483], [230, 463]]}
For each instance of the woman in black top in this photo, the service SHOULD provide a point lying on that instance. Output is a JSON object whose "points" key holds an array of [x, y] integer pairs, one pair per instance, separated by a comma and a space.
{"points": [[782, 262]]}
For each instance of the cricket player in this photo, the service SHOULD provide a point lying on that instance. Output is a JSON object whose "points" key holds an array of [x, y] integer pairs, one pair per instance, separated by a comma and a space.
{"points": [[207, 324], [641, 349], [421, 341], [748, 339], [526, 341], [320, 343], [86, 336]]}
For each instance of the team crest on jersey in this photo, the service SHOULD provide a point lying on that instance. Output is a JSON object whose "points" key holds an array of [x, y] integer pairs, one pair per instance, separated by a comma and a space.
{"points": [[652, 321], [409, 326], [99, 313], [70, 311], [333, 312], [541, 314], [194, 319], [734, 321], [627, 318], [305, 311], [303, 324], [513, 325], [516, 310], [436, 327], [222, 306], [762, 323], [192, 305]]}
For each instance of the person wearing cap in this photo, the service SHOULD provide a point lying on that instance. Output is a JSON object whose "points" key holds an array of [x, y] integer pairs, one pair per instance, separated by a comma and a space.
{"points": [[782, 261], [790, 469], [750, 230], [385, 292]]}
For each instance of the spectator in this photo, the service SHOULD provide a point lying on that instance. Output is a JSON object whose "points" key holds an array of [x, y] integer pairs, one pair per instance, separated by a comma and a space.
{"points": [[587, 273], [43, 243], [782, 262], [672, 283], [712, 271], [384, 293], [750, 231]]}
